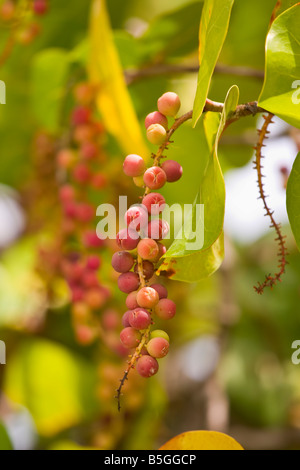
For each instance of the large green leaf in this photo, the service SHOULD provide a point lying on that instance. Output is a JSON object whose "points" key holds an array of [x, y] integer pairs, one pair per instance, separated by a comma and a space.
{"points": [[293, 199], [213, 30], [192, 264], [49, 74], [279, 94], [5, 443]]}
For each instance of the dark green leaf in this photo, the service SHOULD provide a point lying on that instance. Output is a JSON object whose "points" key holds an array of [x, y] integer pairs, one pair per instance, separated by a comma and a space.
{"points": [[293, 199]]}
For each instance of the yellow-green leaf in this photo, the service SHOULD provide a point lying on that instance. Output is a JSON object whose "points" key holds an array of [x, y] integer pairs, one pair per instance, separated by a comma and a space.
{"points": [[106, 73], [202, 440]]}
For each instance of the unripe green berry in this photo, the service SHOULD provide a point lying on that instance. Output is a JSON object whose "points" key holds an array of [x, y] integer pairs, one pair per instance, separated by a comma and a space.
{"points": [[156, 134], [160, 334]]}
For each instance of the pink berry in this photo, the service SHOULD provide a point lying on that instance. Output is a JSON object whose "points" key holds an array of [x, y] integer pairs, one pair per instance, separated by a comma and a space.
{"points": [[156, 134], [40, 7], [127, 239], [125, 319], [156, 118], [148, 249], [139, 319], [158, 347], [90, 279], [130, 337], [165, 309], [99, 181], [155, 177], [161, 290], [155, 203], [91, 240], [85, 212], [147, 297], [81, 173], [158, 229], [81, 115], [110, 319], [131, 301], [162, 251], [93, 262], [66, 158], [67, 193], [89, 150], [136, 217], [134, 165], [147, 366], [169, 104], [128, 282], [122, 261], [173, 170]]}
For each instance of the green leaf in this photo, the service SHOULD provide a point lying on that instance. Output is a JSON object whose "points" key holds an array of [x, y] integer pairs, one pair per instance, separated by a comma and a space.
{"points": [[293, 199], [188, 264], [58, 399], [213, 30], [279, 94], [5, 443], [48, 78]]}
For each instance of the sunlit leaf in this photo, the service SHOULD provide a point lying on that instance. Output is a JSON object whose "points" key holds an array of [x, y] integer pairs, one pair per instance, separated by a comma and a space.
{"points": [[213, 29], [202, 440], [53, 383], [106, 73], [5, 443], [280, 94], [293, 199]]}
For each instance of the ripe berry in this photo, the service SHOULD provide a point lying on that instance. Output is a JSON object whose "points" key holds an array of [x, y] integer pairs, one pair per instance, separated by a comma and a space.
{"points": [[136, 217], [91, 240], [85, 212], [81, 115], [148, 269], [155, 203], [93, 262], [127, 239], [165, 309], [131, 301], [89, 150], [148, 249], [66, 158], [94, 298], [158, 347], [40, 7], [162, 250], [161, 290], [110, 319], [173, 170], [81, 173], [156, 118], [122, 261], [66, 193], [90, 279], [125, 319], [158, 229], [155, 177], [84, 93], [147, 297], [139, 319], [130, 337], [156, 134], [99, 181], [7, 10], [169, 104], [147, 366], [134, 165], [128, 282], [159, 334]]}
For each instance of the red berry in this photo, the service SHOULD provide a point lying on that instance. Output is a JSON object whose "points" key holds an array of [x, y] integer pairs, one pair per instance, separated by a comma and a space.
{"points": [[128, 282], [40, 7], [148, 269], [130, 337], [81, 115], [85, 212], [147, 297], [127, 239], [139, 319], [158, 347], [158, 229], [147, 366], [125, 319], [93, 262], [81, 173], [156, 118], [66, 158], [155, 203], [90, 279], [67, 193], [99, 181], [89, 150], [91, 240], [155, 177], [134, 165], [131, 301], [136, 218], [161, 290], [122, 261], [173, 170], [165, 309]]}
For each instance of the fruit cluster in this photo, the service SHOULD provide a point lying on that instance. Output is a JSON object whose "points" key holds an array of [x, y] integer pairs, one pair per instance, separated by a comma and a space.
{"points": [[21, 16], [78, 169], [142, 247]]}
